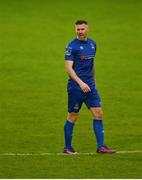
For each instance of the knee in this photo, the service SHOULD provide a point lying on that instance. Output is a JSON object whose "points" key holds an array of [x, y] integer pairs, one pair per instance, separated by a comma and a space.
{"points": [[98, 114], [72, 117]]}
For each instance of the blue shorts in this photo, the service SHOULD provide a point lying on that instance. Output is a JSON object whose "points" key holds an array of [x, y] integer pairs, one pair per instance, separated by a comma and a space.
{"points": [[76, 97]]}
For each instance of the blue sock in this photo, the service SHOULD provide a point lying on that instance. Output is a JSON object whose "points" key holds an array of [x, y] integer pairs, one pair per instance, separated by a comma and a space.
{"points": [[68, 130], [99, 132]]}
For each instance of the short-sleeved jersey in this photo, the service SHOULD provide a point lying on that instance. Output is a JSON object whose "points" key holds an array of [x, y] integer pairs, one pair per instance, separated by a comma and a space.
{"points": [[82, 54]]}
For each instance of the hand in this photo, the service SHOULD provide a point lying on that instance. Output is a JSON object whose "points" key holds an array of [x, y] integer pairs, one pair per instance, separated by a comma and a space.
{"points": [[85, 88]]}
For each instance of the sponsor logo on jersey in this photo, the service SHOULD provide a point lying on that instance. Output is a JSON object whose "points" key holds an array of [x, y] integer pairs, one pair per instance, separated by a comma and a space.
{"points": [[82, 58], [89, 57]]}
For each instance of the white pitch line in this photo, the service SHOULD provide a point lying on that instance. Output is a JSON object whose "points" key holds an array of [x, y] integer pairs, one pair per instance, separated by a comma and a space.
{"points": [[126, 152], [63, 154]]}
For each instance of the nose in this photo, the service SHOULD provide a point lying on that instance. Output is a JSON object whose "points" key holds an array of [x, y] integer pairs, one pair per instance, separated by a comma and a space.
{"points": [[80, 31]]}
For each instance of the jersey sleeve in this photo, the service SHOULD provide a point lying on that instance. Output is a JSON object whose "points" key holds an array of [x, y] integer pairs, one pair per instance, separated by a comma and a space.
{"points": [[95, 46], [69, 55]]}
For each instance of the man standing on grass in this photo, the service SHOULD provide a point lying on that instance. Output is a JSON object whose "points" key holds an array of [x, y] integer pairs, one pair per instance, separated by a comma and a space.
{"points": [[79, 63]]}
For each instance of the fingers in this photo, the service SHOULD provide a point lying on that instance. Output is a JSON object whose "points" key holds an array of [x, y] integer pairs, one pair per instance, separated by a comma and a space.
{"points": [[85, 88]]}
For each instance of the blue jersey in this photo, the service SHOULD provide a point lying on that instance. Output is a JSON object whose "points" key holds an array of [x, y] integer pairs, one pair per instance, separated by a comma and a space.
{"points": [[82, 53]]}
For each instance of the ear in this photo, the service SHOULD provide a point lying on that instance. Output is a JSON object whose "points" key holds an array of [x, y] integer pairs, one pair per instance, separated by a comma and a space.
{"points": [[87, 28], [75, 28]]}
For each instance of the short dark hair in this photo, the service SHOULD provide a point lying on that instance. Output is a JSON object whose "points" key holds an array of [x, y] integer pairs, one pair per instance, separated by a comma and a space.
{"points": [[81, 21]]}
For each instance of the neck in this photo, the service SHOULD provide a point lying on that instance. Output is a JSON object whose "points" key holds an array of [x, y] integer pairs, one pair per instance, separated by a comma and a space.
{"points": [[85, 39]]}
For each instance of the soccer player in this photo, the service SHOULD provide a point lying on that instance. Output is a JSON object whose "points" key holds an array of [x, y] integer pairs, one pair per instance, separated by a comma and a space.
{"points": [[79, 64]]}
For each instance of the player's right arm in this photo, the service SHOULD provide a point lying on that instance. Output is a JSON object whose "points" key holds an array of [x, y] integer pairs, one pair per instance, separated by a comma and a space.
{"points": [[69, 68]]}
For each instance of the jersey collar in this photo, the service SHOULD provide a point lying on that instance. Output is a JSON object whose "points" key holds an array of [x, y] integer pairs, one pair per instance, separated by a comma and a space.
{"points": [[86, 41]]}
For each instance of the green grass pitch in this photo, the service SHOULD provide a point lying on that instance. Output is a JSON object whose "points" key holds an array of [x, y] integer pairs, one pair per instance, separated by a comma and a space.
{"points": [[33, 97]]}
